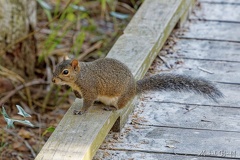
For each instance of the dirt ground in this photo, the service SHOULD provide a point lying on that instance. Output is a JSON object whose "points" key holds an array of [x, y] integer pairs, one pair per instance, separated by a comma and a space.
{"points": [[24, 142]]}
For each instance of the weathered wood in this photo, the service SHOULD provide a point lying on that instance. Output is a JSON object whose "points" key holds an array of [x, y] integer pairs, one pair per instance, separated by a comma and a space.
{"points": [[144, 30], [213, 31], [128, 155], [79, 137], [218, 71], [231, 99], [186, 115], [221, 1], [143, 33], [207, 50], [74, 133], [169, 125], [214, 12], [185, 15], [179, 141]]}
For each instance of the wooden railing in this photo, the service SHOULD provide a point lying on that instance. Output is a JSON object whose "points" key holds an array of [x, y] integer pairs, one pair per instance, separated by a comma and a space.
{"points": [[79, 137]]}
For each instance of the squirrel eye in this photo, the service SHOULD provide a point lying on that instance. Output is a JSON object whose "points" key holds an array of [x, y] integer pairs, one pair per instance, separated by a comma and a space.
{"points": [[65, 72]]}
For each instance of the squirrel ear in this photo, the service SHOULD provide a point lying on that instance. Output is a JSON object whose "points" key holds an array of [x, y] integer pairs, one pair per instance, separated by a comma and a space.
{"points": [[75, 65]]}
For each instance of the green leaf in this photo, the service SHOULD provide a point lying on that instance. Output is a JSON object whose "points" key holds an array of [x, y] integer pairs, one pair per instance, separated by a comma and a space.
{"points": [[22, 112], [71, 17], [51, 129], [7, 118], [78, 42], [10, 121], [44, 5], [4, 113], [119, 15], [48, 130], [47, 8], [49, 15], [26, 122]]}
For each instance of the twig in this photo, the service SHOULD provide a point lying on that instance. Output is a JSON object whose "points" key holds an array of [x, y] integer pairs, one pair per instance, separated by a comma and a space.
{"points": [[10, 74], [60, 51], [48, 31], [97, 45], [190, 109], [46, 99], [25, 142], [204, 70], [14, 76], [126, 6], [165, 62], [11, 93]]}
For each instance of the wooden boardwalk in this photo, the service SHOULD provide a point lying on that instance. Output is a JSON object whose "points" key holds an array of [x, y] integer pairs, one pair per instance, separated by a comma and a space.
{"points": [[182, 126], [79, 137]]}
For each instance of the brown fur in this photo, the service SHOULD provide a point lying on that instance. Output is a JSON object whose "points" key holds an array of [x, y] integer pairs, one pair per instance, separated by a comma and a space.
{"points": [[111, 82]]}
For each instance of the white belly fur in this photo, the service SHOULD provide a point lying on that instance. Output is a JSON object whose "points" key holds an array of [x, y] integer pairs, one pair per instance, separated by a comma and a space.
{"points": [[111, 101]]}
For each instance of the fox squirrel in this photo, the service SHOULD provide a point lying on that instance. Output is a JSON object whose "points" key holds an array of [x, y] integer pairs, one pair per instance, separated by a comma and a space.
{"points": [[112, 83]]}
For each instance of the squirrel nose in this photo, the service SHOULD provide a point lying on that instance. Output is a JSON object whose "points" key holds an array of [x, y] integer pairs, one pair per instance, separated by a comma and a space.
{"points": [[53, 80]]}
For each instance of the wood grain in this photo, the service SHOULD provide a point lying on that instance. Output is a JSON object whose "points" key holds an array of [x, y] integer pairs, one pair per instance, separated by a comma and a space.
{"points": [[171, 125], [211, 30], [214, 12], [79, 137], [115, 154], [207, 50], [178, 141], [221, 1]]}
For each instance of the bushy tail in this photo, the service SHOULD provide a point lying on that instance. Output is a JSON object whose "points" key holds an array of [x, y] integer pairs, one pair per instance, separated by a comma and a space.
{"points": [[179, 83]]}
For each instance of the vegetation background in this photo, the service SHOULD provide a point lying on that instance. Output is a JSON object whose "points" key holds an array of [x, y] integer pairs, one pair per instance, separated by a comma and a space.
{"points": [[83, 29]]}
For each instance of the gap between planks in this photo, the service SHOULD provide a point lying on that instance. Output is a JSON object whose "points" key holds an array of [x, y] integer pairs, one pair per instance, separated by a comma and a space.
{"points": [[183, 141], [79, 137], [208, 39], [187, 128], [206, 105], [231, 2], [192, 156], [114, 155]]}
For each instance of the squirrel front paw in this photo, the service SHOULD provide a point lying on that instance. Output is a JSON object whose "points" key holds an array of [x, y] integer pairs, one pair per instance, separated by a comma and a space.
{"points": [[76, 112]]}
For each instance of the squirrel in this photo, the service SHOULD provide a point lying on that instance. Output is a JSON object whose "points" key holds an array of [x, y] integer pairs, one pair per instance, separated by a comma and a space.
{"points": [[112, 83]]}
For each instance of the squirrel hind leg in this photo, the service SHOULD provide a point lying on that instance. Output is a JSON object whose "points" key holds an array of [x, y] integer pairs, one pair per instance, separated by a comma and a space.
{"points": [[125, 98]]}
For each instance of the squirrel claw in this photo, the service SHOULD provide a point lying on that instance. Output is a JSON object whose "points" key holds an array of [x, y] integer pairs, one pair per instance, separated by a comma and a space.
{"points": [[109, 108], [76, 112]]}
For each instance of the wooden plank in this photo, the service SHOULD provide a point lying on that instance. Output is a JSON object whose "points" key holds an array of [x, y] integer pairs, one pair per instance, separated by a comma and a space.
{"points": [[217, 71], [147, 34], [186, 125], [153, 112], [79, 137], [214, 12], [221, 1], [177, 141], [132, 155], [207, 50], [210, 30], [231, 99], [185, 15], [71, 135]]}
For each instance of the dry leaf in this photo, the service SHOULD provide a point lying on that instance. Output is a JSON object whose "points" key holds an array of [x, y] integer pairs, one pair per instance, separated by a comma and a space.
{"points": [[19, 146], [25, 134]]}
